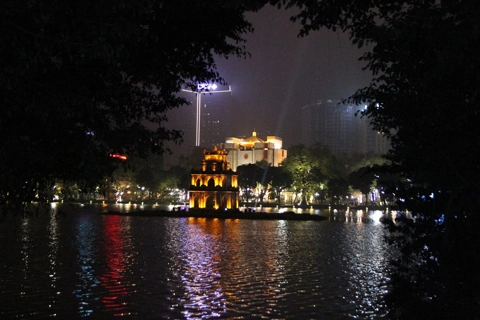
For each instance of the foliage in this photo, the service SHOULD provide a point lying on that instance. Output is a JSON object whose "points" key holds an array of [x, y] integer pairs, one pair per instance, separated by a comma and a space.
{"points": [[357, 161], [315, 170], [171, 182], [380, 177], [279, 180], [307, 168], [312, 171], [362, 179], [337, 189], [331, 166], [424, 97], [263, 177], [84, 79], [119, 181], [248, 177], [424, 94]]}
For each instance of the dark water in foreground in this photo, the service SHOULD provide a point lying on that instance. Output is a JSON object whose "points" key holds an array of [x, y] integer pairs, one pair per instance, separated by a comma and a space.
{"points": [[86, 264]]}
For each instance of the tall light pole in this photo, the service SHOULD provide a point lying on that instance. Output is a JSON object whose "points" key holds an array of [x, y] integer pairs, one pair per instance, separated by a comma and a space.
{"points": [[201, 87]]}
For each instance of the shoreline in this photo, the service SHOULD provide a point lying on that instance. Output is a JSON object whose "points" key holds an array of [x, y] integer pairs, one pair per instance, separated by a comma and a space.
{"points": [[215, 214]]}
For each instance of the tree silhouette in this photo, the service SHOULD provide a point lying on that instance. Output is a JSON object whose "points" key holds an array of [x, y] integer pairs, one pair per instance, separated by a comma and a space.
{"points": [[424, 97], [82, 79]]}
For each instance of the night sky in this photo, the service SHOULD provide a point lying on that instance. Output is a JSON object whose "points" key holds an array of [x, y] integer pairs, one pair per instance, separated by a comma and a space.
{"points": [[283, 74]]}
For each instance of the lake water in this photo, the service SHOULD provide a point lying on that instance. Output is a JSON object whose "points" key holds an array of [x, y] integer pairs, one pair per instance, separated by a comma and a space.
{"points": [[101, 266]]}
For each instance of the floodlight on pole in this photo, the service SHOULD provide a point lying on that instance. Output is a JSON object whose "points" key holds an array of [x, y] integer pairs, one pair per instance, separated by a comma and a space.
{"points": [[203, 88]]}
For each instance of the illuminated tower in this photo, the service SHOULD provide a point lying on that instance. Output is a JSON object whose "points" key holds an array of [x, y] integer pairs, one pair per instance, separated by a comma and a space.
{"points": [[215, 185]]}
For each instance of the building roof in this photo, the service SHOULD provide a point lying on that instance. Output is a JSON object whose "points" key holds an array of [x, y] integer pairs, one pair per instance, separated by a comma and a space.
{"points": [[253, 138]]}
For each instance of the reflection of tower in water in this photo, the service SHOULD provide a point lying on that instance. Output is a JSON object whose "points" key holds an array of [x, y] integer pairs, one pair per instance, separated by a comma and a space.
{"points": [[214, 273], [201, 274]]}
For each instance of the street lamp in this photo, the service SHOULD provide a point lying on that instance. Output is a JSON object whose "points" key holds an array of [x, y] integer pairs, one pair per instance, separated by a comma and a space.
{"points": [[201, 87]]}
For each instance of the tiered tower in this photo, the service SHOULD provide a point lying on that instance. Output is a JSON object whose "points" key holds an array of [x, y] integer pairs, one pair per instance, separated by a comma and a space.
{"points": [[215, 185]]}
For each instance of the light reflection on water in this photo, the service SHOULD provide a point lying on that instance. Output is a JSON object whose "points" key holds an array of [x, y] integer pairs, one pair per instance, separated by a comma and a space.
{"points": [[86, 236], [87, 264], [53, 245], [117, 249], [201, 277]]}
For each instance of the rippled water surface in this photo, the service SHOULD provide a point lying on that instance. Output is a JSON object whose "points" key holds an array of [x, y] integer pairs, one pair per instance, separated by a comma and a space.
{"points": [[86, 264]]}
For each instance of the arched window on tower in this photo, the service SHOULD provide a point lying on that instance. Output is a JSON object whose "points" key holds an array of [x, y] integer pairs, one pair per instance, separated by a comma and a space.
{"points": [[211, 183]]}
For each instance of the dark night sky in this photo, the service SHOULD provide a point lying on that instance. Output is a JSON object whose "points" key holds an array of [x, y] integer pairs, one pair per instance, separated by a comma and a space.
{"points": [[283, 74]]}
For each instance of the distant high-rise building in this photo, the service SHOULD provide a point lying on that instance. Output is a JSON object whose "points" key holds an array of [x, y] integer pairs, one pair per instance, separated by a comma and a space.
{"points": [[212, 131], [370, 140], [336, 126], [212, 125]]}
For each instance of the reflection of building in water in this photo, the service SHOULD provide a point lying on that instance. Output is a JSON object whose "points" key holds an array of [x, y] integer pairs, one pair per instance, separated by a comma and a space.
{"points": [[253, 149], [215, 185], [200, 257]]}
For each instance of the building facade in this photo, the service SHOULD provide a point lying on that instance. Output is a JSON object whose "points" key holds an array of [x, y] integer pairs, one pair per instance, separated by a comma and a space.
{"points": [[211, 128], [337, 126], [215, 185], [254, 149]]}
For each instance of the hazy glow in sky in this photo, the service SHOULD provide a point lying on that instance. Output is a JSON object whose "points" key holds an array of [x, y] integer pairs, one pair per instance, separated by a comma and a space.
{"points": [[283, 74]]}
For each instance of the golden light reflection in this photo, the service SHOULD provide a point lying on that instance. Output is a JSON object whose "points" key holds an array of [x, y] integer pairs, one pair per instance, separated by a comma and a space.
{"points": [[262, 270], [201, 276], [357, 216]]}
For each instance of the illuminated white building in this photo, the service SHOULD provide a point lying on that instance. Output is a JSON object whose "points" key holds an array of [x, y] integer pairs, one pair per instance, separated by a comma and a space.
{"points": [[254, 149]]}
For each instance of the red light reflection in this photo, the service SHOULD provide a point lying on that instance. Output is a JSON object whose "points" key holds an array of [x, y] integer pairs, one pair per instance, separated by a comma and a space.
{"points": [[113, 280]]}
